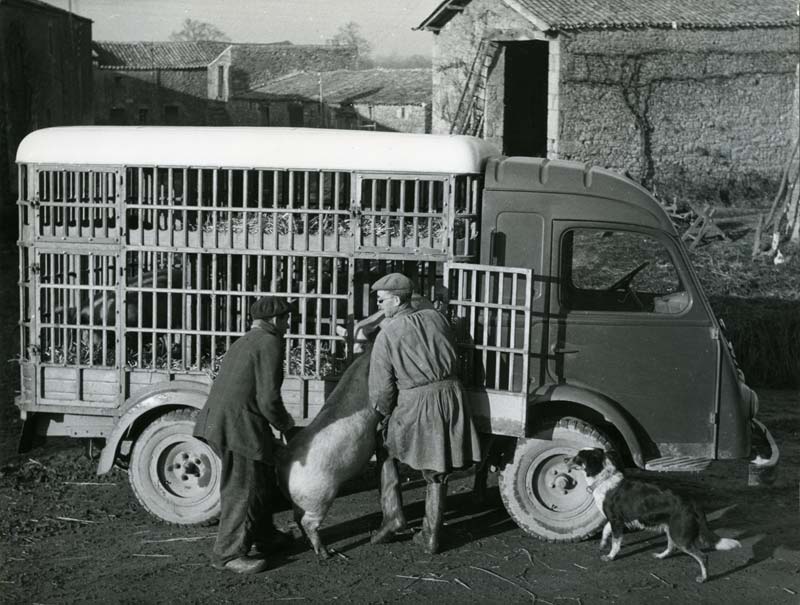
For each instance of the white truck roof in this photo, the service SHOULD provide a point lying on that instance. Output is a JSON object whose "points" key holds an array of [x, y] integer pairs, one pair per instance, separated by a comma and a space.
{"points": [[251, 147]]}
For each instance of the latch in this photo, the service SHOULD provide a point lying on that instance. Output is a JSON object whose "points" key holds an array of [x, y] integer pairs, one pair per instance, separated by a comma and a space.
{"points": [[35, 202], [35, 268]]}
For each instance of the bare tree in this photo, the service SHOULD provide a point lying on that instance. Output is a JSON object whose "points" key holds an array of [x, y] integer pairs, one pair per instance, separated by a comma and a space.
{"points": [[349, 34], [194, 31]]}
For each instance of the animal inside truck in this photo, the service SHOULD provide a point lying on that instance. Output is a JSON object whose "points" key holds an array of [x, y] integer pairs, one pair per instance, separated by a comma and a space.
{"points": [[578, 318]]}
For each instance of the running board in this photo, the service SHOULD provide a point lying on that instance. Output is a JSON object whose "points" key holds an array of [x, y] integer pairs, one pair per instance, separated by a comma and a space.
{"points": [[677, 464]]}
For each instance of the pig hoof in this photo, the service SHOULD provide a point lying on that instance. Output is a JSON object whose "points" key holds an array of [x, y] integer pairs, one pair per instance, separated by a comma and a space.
{"points": [[323, 553], [606, 558]]}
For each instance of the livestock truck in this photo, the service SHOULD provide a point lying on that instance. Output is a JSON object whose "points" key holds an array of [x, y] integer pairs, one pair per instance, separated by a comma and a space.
{"points": [[578, 317]]}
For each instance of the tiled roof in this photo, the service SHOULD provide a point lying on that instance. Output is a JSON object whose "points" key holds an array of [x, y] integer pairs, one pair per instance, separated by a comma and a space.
{"points": [[371, 86], [255, 64], [620, 14], [157, 55]]}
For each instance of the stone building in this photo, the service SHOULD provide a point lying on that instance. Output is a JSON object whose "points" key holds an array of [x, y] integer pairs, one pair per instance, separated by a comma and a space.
{"points": [[45, 78], [694, 99], [379, 99], [191, 83]]}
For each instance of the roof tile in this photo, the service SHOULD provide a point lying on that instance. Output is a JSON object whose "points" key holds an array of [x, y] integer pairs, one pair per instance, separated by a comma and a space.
{"points": [[373, 86], [621, 14], [157, 55]]}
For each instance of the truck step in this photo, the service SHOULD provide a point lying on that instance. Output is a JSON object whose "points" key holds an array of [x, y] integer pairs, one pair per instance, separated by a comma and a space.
{"points": [[677, 464]]}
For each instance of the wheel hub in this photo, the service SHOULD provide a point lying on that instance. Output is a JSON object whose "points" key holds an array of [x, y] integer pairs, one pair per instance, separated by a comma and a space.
{"points": [[563, 482], [554, 487], [185, 470]]}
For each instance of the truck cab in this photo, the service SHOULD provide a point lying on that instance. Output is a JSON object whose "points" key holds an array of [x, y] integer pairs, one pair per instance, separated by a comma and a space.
{"points": [[624, 343]]}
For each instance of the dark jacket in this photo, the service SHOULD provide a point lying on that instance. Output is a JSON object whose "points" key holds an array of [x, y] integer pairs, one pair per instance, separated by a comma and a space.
{"points": [[246, 397]]}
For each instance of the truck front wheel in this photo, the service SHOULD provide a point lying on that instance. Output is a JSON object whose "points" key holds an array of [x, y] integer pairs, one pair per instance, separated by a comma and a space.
{"points": [[174, 475], [543, 497]]}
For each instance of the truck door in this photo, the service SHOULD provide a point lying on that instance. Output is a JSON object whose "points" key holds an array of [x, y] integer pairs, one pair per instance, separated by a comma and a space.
{"points": [[628, 324], [490, 308]]}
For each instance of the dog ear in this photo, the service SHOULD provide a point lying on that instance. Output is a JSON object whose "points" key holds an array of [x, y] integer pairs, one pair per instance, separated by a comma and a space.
{"points": [[614, 458]]}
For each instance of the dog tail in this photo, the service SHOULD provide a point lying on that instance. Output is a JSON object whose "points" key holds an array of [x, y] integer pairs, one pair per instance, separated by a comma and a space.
{"points": [[710, 538]]}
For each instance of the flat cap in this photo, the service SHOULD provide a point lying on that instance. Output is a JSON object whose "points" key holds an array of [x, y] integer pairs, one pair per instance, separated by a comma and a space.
{"points": [[394, 282], [268, 306]]}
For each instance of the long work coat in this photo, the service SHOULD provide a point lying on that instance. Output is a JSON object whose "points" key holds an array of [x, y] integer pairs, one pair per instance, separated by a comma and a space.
{"points": [[412, 377], [246, 397]]}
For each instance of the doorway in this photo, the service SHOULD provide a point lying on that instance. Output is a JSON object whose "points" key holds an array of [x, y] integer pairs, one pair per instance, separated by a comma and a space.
{"points": [[525, 99]]}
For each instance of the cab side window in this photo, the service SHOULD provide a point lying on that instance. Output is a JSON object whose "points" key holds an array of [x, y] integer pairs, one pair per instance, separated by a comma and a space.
{"points": [[619, 271]]}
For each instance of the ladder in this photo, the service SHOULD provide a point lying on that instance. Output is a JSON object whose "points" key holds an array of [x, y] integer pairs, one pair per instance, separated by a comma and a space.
{"points": [[470, 112]]}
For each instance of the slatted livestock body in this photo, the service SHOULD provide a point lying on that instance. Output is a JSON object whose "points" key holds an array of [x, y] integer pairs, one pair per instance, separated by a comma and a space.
{"points": [[142, 248]]}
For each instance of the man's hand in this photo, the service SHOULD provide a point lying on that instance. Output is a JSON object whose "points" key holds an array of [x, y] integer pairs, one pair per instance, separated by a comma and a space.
{"points": [[289, 433], [382, 420]]}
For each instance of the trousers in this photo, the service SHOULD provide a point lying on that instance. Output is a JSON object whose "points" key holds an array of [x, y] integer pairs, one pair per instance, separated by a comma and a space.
{"points": [[246, 488]]}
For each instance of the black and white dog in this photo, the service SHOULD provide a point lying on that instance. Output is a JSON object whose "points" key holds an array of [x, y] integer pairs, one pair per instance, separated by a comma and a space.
{"points": [[640, 505]]}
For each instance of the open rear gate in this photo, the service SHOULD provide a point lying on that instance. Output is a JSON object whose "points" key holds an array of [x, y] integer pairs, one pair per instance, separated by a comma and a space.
{"points": [[490, 309]]}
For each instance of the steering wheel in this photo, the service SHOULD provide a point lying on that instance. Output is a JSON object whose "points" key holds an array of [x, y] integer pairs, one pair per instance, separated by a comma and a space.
{"points": [[624, 284]]}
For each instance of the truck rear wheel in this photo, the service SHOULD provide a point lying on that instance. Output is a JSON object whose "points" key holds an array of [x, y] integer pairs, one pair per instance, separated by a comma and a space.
{"points": [[174, 475], [544, 498]]}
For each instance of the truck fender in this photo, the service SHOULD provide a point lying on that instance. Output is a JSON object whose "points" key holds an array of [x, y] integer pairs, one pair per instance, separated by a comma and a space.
{"points": [[177, 394], [600, 404]]}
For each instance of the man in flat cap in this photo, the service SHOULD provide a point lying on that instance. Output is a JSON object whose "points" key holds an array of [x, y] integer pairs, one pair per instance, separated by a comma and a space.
{"points": [[413, 382], [244, 401]]}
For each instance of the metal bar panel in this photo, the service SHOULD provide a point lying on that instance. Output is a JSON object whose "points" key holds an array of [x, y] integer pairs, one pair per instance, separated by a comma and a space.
{"points": [[306, 183], [230, 209], [228, 299], [215, 205], [513, 325], [245, 213], [185, 200], [199, 313], [276, 182], [290, 206]]}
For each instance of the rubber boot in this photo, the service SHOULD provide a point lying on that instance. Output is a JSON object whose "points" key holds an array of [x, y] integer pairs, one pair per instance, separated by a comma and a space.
{"points": [[435, 498], [391, 503]]}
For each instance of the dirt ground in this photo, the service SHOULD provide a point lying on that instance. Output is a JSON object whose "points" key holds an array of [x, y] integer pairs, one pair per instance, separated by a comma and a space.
{"points": [[67, 536]]}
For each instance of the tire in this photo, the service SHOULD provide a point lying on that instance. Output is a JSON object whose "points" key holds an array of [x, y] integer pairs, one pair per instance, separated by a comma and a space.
{"points": [[544, 498], [174, 475]]}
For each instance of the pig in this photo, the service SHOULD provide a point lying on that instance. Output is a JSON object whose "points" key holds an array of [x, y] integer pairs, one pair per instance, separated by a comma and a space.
{"points": [[332, 449]]}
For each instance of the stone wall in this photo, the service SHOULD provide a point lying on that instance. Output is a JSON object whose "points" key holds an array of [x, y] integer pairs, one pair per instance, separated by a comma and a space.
{"points": [[142, 97], [396, 118], [693, 114], [454, 50]]}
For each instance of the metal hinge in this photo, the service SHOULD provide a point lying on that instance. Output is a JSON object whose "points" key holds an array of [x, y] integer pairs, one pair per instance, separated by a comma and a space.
{"points": [[714, 333], [35, 268], [713, 417]]}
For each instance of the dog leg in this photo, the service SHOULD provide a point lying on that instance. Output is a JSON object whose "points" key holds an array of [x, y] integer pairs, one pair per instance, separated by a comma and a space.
{"points": [[606, 535], [617, 529], [668, 550], [701, 559], [616, 543]]}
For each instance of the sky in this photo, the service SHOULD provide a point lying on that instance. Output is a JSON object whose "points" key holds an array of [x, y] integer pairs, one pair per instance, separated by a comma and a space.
{"points": [[385, 23]]}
